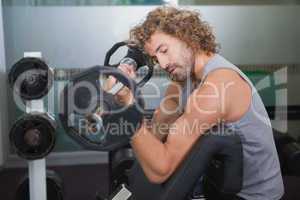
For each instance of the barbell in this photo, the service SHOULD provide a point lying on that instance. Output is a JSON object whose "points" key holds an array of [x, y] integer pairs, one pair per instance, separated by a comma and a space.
{"points": [[91, 115]]}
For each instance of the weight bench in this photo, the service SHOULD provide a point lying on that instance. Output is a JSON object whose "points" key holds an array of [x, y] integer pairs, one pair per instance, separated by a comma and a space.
{"points": [[218, 159]]}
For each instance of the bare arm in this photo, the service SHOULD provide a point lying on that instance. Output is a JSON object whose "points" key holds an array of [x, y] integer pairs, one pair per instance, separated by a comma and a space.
{"points": [[205, 108]]}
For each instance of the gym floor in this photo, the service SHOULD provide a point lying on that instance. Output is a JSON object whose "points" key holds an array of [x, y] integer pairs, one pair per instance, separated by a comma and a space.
{"points": [[83, 181], [80, 182]]}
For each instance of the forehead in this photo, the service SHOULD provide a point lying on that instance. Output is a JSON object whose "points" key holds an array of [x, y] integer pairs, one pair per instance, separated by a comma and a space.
{"points": [[157, 39]]}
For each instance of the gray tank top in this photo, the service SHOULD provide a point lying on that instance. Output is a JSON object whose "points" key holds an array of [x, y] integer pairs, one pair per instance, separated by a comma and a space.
{"points": [[262, 178]]}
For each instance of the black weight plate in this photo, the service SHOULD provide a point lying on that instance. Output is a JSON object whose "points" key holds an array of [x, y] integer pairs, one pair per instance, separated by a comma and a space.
{"points": [[113, 133], [31, 78], [45, 128]]}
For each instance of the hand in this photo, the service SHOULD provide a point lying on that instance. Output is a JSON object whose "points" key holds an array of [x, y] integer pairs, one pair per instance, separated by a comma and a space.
{"points": [[124, 96]]}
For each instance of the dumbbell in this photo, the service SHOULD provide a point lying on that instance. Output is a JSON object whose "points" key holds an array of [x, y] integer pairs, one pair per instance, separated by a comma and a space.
{"points": [[33, 135], [55, 189], [30, 78]]}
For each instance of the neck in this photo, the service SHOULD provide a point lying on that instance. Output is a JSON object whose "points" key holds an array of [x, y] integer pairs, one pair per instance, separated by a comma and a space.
{"points": [[201, 59]]}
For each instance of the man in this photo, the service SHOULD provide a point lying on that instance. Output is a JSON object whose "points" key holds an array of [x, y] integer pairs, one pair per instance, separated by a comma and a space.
{"points": [[218, 93]]}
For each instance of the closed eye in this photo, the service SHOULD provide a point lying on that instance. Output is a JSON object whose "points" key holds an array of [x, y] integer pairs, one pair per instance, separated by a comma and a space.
{"points": [[163, 50]]}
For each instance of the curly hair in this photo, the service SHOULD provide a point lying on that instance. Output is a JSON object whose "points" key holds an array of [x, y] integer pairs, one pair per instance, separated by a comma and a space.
{"points": [[183, 24]]}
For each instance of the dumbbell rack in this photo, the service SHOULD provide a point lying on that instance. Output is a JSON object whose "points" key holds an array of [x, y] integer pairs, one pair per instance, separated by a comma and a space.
{"points": [[36, 168]]}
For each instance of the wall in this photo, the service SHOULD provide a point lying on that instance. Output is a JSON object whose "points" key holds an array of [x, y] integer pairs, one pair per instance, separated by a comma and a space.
{"points": [[80, 36]]}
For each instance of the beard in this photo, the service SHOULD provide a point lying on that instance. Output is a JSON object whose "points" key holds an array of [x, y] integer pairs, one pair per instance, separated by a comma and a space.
{"points": [[181, 72], [184, 67]]}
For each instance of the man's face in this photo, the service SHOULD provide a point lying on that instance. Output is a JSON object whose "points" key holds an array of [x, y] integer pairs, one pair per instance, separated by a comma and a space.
{"points": [[173, 55]]}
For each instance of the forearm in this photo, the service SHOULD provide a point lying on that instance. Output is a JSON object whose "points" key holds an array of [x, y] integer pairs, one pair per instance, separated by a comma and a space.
{"points": [[151, 154]]}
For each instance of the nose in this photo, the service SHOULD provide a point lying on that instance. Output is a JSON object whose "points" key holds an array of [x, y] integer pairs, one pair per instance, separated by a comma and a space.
{"points": [[163, 61]]}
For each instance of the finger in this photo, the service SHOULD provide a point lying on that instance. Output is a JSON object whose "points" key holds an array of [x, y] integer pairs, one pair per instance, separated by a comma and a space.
{"points": [[131, 70], [124, 70], [128, 70], [112, 79], [109, 83], [127, 66]]}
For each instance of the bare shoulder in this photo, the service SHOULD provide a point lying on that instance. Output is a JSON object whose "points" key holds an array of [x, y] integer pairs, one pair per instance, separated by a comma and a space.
{"points": [[233, 90], [224, 75]]}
